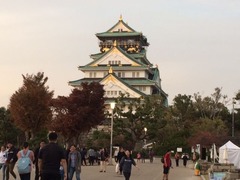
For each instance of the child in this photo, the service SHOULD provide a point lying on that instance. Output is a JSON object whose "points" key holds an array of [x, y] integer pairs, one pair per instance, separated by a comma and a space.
{"points": [[138, 156]]}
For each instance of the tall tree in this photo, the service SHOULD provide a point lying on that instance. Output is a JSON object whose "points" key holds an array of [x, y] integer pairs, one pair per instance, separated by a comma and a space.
{"points": [[208, 131], [212, 107], [82, 110], [133, 115], [30, 105], [8, 131]]}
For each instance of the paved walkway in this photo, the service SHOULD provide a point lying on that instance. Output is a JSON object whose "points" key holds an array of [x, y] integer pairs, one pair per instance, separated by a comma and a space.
{"points": [[147, 172]]}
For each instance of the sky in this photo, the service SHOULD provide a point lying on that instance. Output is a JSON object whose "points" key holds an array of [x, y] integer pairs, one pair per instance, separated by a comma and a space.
{"points": [[195, 43]]}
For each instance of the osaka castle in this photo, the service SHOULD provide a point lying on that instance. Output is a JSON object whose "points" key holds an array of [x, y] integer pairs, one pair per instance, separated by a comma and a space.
{"points": [[122, 66]]}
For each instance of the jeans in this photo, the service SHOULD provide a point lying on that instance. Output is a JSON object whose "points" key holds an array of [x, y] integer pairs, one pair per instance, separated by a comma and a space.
{"points": [[9, 169], [3, 167], [25, 176], [71, 172]]}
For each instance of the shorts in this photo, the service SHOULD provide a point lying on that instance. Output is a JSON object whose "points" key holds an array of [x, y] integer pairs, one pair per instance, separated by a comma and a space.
{"points": [[166, 170]]}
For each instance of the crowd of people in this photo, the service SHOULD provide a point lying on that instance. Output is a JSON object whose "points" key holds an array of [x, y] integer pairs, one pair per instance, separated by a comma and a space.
{"points": [[52, 162]]}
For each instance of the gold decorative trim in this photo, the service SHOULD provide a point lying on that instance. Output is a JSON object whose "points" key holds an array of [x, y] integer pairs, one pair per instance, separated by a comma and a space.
{"points": [[110, 70], [120, 19]]}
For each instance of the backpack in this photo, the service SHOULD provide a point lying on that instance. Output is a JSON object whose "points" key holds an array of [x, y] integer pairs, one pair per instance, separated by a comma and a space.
{"points": [[24, 163]]}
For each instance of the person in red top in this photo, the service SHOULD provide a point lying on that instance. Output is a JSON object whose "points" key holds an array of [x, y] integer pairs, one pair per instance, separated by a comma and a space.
{"points": [[167, 164]]}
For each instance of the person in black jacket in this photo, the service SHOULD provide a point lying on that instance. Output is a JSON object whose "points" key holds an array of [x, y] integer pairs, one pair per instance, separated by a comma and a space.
{"points": [[126, 165], [120, 155], [11, 160], [36, 154]]}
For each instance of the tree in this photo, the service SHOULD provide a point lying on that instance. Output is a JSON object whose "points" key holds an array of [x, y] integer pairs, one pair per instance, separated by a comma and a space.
{"points": [[79, 112], [133, 115], [182, 106], [212, 107], [30, 105], [207, 132], [8, 131]]}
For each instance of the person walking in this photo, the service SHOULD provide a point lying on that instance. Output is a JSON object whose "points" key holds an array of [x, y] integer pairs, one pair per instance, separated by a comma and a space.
{"points": [[185, 158], [166, 164], [91, 155], [50, 158], [151, 155], [126, 164], [177, 157], [3, 158], [83, 156], [11, 160], [138, 156], [120, 155], [36, 155], [25, 153], [74, 163], [103, 160]]}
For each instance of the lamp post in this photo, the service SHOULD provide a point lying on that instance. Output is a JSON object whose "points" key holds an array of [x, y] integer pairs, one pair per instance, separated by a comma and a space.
{"points": [[233, 121], [112, 105], [145, 132]]}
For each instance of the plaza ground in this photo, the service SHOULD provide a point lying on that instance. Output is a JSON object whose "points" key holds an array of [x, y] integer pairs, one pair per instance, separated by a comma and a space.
{"points": [[147, 171]]}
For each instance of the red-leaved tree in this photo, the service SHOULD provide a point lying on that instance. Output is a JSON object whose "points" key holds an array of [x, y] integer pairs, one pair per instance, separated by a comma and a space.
{"points": [[79, 112]]}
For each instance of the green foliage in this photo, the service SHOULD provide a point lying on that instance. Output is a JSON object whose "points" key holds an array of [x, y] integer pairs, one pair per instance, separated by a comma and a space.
{"points": [[100, 139], [8, 132], [207, 132], [133, 115], [211, 107]]}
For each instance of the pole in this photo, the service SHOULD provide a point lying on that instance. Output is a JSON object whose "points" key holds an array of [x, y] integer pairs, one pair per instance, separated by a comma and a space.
{"points": [[111, 140], [233, 118]]}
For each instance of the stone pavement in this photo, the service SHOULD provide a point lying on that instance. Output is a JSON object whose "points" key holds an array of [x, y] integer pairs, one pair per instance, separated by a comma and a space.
{"points": [[147, 171]]}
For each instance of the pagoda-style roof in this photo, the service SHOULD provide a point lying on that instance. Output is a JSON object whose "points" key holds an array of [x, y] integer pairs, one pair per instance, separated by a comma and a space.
{"points": [[114, 51], [122, 30], [105, 68], [118, 34], [119, 29], [78, 82]]}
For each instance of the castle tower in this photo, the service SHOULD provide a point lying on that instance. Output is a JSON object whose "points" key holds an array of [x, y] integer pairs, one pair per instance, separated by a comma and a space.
{"points": [[122, 65]]}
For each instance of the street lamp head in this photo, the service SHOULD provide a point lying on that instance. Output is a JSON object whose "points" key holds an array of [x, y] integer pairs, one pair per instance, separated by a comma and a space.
{"points": [[112, 105], [145, 129]]}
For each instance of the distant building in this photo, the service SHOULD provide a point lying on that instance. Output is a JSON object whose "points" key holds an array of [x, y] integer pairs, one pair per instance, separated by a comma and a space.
{"points": [[122, 65]]}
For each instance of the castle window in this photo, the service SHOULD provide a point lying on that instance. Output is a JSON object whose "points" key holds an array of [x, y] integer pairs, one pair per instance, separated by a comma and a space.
{"points": [[137, 74], [133, 74], [142, 88]]}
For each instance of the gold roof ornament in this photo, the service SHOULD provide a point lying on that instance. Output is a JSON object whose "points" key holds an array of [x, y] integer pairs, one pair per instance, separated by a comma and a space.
{"points": [[120, 19], [115, 43], [110, 70]]}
